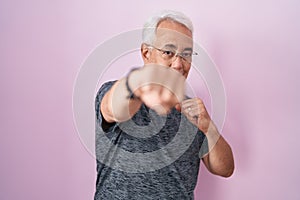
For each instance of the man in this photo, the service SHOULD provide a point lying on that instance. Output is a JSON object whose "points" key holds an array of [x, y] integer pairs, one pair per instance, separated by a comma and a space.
{"points": [[142, 113]]}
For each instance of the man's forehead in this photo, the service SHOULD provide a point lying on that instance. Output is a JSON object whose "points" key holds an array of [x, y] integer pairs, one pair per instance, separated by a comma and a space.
{"points": [[175, 26], [172, 39], [171, 32]]}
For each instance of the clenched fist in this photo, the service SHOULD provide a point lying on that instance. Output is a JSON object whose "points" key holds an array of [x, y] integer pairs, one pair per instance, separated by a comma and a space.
{"points": [[158, 87], [195, 110]]}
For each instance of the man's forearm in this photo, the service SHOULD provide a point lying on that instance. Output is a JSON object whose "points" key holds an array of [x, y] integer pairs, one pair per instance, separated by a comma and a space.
{"points": [[152, 88], [219, 160], [116, 106]]}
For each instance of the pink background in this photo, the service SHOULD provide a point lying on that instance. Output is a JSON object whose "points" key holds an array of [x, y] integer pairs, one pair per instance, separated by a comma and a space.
{"points": [[255, 45]]}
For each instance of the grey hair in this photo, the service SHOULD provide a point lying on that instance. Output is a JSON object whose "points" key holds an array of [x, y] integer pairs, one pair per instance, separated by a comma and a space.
{"points": [[149, 30]]}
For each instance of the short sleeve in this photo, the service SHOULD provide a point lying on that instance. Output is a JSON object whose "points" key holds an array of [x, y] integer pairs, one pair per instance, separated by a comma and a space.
{"points": [[100, 94]]}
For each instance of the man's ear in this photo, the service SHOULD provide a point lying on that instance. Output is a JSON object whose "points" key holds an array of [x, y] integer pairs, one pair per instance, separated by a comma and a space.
{"points": [[145, 51]]}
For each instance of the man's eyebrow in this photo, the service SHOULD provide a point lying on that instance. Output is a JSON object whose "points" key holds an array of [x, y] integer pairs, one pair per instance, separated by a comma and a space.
{"points": [[170, 46], [188, 49]]}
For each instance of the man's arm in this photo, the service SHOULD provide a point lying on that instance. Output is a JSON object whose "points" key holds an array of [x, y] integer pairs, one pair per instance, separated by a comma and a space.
{"points": [[152, 88], [116, 106], [219, 159]]}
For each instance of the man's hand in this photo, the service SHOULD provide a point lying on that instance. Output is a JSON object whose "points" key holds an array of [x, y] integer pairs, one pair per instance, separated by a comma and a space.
{"points": [[195, 110], [158, 87], [219, 159]]}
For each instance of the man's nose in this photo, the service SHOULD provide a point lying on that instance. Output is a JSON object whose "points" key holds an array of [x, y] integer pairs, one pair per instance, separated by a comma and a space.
{"points": [[177, 64]]}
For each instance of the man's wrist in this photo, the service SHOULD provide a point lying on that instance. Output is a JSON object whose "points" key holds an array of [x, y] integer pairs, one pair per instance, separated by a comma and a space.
{"points": [[212, 135], [130, 90]]}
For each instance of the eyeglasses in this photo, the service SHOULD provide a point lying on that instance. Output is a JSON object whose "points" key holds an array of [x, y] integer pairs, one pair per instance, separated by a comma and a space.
{"points": [[171, 55]]}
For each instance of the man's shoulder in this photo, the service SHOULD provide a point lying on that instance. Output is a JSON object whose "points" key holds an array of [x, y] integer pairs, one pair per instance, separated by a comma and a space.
{"points": [[106, 85], [104, 88]]}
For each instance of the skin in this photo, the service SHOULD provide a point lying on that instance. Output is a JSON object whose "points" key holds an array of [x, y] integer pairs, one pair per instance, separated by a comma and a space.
{"points": [[164, 38], [114, 107]]}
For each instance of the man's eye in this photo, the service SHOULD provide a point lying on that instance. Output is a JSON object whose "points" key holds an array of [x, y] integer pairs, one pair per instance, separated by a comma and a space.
{"points": [[168, 53], [186, 55]]}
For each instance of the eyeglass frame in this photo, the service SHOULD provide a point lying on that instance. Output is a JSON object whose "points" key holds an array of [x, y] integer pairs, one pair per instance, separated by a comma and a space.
{"points": [[163, 51]]}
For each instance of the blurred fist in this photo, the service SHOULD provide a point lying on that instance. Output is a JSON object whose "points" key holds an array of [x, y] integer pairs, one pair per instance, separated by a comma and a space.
{"points": [[158, 87]]}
